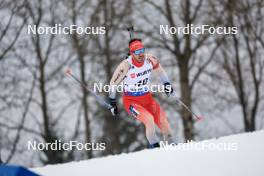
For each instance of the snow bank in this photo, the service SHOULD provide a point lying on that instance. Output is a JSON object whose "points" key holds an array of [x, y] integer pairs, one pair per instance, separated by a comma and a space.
{"points": [[244, 158]]}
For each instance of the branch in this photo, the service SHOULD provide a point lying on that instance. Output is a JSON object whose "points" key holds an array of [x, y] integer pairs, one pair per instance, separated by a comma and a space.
{"points": [[20, 127], [201, 69]]}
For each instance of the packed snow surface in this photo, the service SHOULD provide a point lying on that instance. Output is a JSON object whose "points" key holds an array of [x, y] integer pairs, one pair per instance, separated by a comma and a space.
{"points": [[236, 155]]}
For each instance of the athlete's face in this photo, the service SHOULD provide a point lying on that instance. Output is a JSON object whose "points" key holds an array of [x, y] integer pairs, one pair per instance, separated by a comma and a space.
{"points": [[139, 57]]}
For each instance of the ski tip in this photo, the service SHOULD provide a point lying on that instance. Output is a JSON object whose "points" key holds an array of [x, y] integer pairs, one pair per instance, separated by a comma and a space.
{"points": [[67, 71]]}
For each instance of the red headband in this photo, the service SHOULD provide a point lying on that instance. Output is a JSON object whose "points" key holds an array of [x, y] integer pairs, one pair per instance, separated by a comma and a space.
{"points": [[135, 45]]}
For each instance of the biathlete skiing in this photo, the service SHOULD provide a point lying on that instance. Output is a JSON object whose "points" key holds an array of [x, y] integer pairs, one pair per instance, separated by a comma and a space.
{"points": [[135, 73]]}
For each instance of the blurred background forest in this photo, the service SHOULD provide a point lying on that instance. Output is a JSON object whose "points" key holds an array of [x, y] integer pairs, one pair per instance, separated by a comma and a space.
{"points": [[218, 76]]}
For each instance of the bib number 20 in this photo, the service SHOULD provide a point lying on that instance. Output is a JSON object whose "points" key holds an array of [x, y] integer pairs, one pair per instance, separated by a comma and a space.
{"points": [[142, 82]]}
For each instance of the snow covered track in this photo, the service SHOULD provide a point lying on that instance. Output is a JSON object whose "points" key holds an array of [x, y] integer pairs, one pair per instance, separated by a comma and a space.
{"points": [[246, 160]]}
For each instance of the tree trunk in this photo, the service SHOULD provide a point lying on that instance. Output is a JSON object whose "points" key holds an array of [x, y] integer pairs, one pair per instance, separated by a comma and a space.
{"points": [[186, 98], [110, 123], [85, 103]]}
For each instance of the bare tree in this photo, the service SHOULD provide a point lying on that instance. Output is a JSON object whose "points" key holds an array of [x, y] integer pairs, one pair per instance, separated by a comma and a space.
{"points": [[22, 123], [11, 29], [80, 44], [42, 50], [243, 63]]}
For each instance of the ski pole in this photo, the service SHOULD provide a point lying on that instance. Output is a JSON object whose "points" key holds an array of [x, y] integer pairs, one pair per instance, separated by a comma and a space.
{"points": [[99, 99], [187, 108]]}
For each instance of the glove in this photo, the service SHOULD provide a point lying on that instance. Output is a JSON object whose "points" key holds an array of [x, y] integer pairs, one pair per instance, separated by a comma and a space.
{"points": [[168, 89], [114, 109]]}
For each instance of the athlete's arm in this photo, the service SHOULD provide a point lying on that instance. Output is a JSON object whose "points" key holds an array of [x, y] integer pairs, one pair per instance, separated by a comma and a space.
{"points": [[118, 76], [158, 69]]}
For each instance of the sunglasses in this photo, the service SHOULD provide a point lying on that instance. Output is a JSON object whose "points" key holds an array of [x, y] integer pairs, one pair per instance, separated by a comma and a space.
{"points": [[139, 51]]}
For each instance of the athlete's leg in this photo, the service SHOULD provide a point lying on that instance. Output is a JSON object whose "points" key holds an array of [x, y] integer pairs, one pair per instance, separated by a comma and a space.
{"points": [[160, 117], [164, 124], [141, 114]]}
